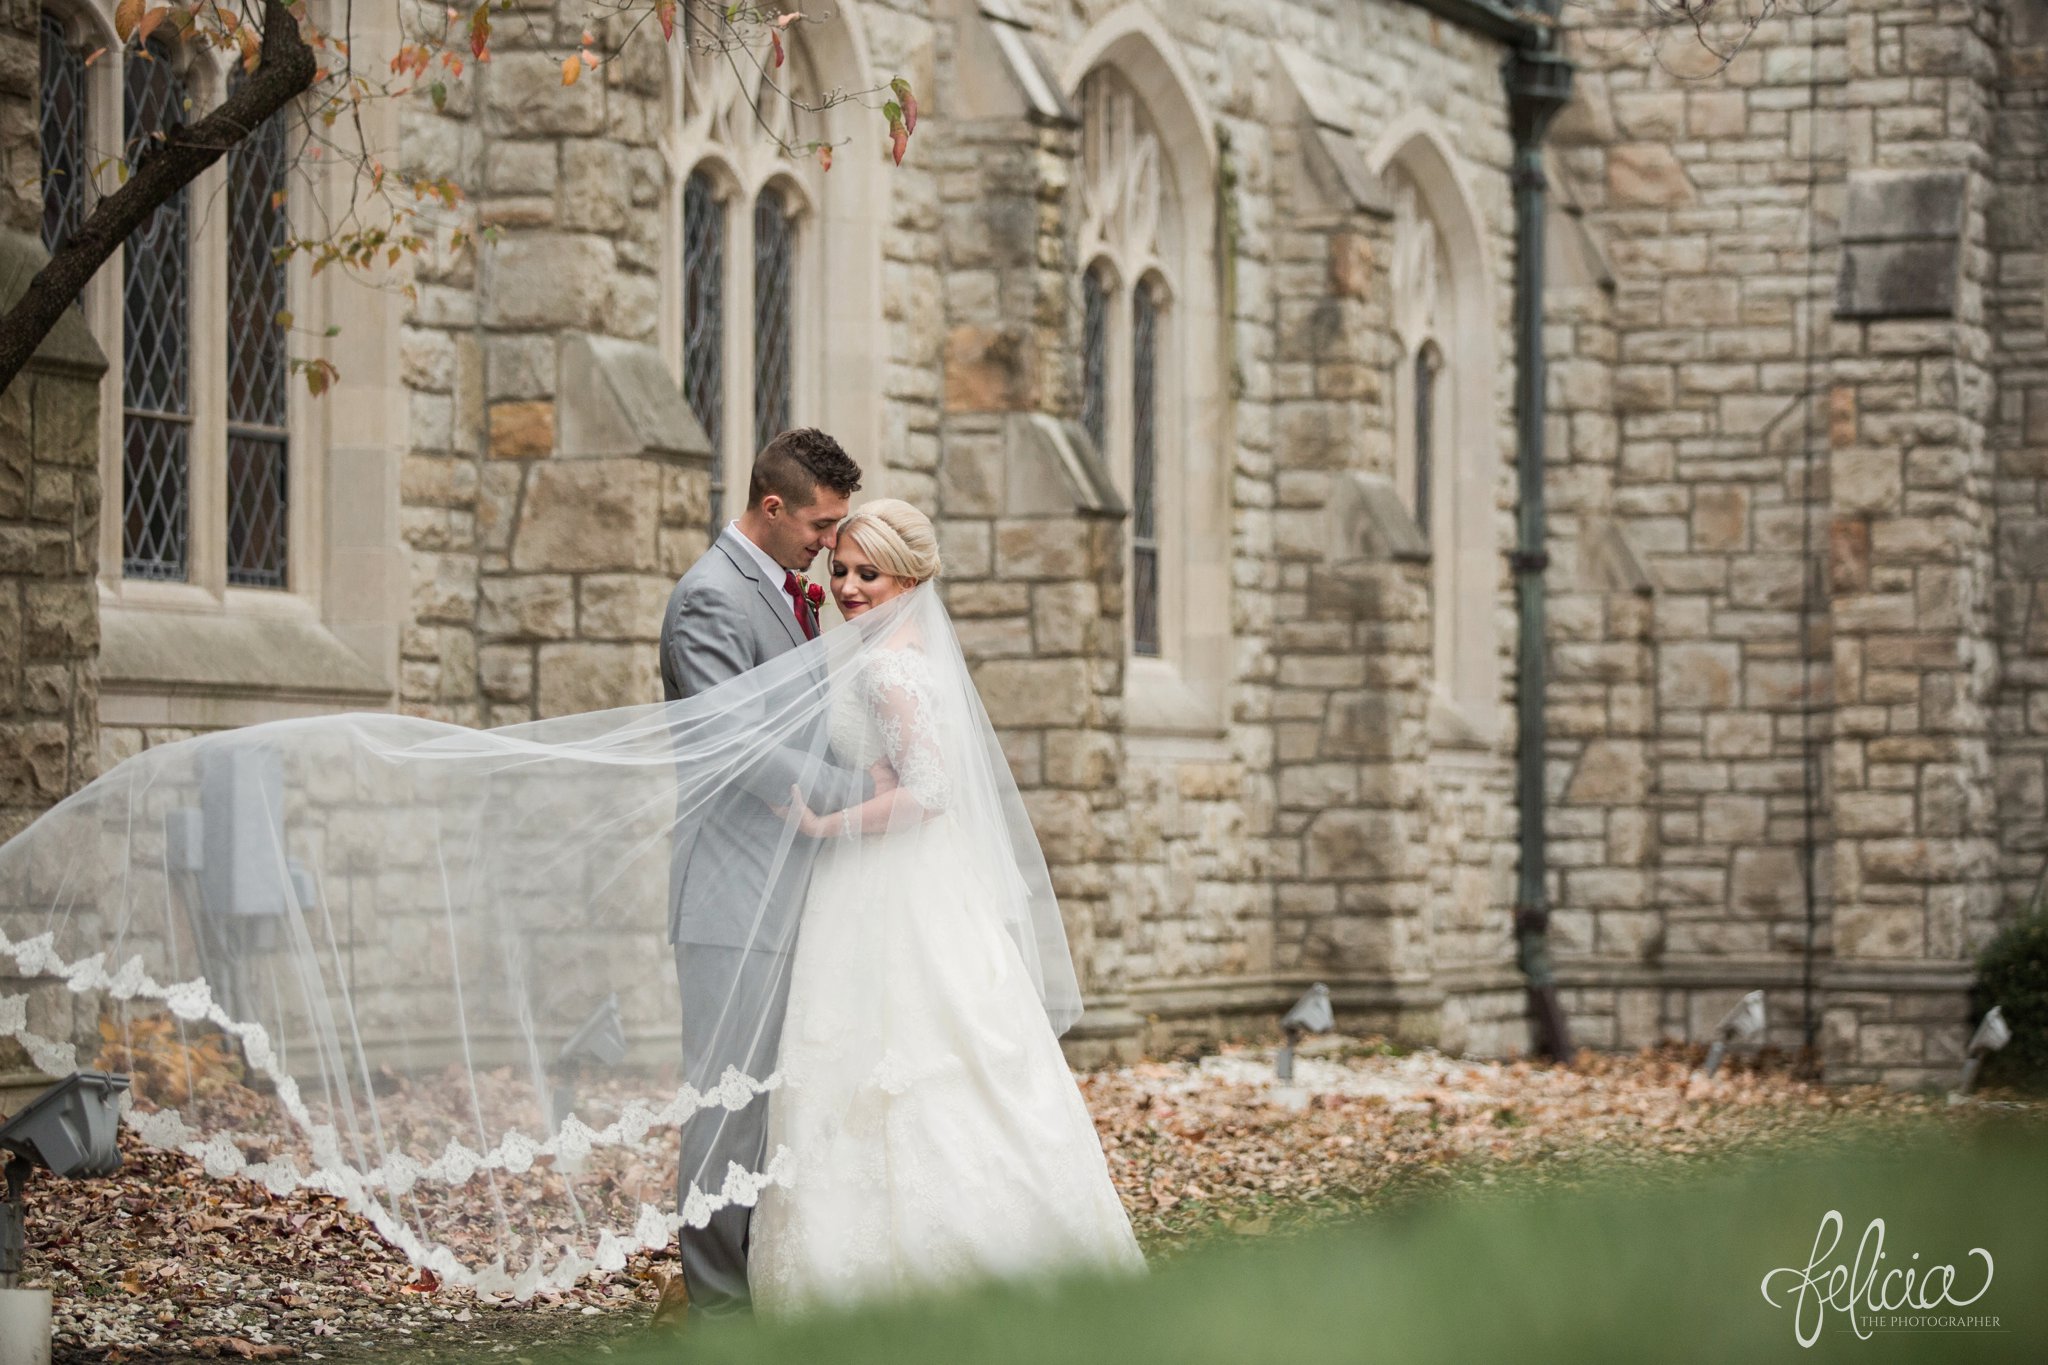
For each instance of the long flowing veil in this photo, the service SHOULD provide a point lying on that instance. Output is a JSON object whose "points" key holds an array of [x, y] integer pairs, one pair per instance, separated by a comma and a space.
{"points": [[434, 970]]}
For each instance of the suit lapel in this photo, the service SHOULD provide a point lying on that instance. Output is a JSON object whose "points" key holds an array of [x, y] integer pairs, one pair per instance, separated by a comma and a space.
{"points": [[772, 593]]}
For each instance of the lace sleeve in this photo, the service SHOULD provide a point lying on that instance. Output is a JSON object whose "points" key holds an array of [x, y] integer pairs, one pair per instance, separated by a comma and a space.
{"points": [[901, 691]]}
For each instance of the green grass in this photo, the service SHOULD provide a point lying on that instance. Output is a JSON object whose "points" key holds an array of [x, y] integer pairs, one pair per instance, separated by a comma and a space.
{"points": [[1604, 1264]]}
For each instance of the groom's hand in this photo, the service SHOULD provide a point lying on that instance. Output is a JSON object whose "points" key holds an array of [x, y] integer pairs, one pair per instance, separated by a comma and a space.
{"points": [[808, 822]]}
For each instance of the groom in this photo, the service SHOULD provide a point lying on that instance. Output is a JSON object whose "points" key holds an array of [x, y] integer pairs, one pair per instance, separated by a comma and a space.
{"points": [[734, 888]]}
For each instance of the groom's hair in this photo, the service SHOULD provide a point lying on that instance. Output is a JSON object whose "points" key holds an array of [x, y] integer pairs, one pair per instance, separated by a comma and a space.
{"points": [[793, 465]]}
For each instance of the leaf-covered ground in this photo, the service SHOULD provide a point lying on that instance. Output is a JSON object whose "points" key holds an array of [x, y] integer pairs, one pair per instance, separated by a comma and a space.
{"points": [[166, 1262]]}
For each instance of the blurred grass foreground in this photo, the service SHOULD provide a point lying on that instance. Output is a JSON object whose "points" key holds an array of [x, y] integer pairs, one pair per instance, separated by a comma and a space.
{"points": [[1620, 1270]]}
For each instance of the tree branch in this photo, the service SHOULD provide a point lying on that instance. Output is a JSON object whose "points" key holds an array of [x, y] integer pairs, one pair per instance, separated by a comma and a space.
{"points": [[284, 71]]}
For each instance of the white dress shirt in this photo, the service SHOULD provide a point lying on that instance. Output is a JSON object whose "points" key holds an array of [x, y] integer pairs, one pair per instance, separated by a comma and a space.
{"points": [[774, 571]]}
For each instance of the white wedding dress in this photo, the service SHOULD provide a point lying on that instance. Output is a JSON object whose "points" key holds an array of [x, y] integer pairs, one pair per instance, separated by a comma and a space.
{"points": [[935, 1134]]}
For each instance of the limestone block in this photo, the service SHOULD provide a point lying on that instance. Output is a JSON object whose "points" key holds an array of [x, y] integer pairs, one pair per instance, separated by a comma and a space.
{"points": [[444, 587], [1066, 618], [1316, 436], [1890, 206], [573, 678], [1647, 175], [518, 167], [1720, 518], [1043, 692], [67, 420], [971, 475], [34, 759], [1651, 115], [1863, 480], [1351, 265], [1043, 549], [1889, 1044], [1065, 824], [1716, 113], [686, 496], [1610, 772], [17, 449], [1766, 880], [1366, 844], [548, 280], [62, 619], [527, 606], [622, 606], [991, 369], [525, 97], [1370, 725], [521, 431], [1898, 280], [1315, 786], [1697, 674], [519, 367], [1605, 888], [1084, 759], [589, 516], [595, 186], [505, 672]]}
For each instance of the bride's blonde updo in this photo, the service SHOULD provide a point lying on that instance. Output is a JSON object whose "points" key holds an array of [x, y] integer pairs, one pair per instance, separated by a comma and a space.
{"points": [[896, 537]]}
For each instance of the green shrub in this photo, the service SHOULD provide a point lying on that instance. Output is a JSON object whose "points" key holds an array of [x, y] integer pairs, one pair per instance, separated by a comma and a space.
{"points": [[2013, 975]]}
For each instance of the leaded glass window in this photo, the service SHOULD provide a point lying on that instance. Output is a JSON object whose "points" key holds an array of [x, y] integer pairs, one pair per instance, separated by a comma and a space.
{"points": [[774, 253], [1427, 365], [704, 323], [1144, 472], [259, 447], [63, 119], [157, 340], [1095, 359]]}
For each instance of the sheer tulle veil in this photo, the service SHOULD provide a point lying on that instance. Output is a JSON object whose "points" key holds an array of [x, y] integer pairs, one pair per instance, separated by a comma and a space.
{"points": [[433, 970]]}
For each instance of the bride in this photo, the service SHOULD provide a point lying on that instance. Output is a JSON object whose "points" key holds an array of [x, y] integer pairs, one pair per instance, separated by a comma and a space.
{"points": [[934, 1131]]}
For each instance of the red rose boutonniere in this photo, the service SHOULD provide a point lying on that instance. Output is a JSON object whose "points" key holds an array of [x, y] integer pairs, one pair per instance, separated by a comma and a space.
{"points": [[815, 595]]}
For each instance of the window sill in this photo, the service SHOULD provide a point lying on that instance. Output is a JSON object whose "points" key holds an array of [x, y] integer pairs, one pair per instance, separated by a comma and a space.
{"points": [[187, 660], [1160, 701], [1452, 730]]}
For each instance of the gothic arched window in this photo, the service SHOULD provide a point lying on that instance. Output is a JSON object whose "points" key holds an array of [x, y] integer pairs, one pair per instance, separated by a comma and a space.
{"points": [[259, 443], [64, 117], [1095, 358], [1132, 233], [704, 320], [1145, 470], [1445, 434], [156, 325], [774, 267], [746, 316]]}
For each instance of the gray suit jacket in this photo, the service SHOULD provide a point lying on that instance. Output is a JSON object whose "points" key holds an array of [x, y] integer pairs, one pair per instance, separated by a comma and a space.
{"points": [[723, 619]]}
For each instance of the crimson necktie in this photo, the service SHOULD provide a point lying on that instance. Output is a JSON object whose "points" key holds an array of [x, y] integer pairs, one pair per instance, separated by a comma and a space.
{"points": [[796, 601]]}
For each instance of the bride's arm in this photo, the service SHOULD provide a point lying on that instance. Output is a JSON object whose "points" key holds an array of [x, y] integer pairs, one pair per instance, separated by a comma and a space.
{"points": [[910, 782]]}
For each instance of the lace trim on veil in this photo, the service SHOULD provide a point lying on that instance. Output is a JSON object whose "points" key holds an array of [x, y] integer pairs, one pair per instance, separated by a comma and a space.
{"points": [[361, 1190]]}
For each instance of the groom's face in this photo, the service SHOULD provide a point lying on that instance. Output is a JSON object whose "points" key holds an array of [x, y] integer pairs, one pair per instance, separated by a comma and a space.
{"points": [[797, 535]]}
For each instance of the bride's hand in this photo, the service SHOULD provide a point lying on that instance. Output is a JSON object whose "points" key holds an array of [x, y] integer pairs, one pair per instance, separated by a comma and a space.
{"points": [[808, 822]]}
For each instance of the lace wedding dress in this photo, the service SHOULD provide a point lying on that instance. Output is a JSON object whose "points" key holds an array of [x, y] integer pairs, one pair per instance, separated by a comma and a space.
{"points": [[934, 1132]]}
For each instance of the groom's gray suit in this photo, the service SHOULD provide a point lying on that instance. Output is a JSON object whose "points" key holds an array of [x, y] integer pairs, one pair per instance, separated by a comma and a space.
{"points": [[732, 912]]}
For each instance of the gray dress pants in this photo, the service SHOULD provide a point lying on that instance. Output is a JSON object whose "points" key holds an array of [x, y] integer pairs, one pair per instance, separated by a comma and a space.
{"points": [[709, 977]]}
